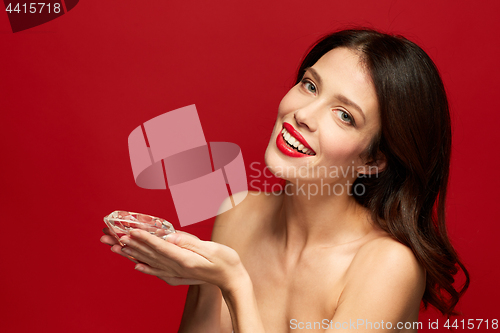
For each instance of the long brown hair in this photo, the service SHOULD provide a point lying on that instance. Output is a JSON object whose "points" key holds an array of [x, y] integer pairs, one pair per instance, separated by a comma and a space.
{"points": [[407, 199]]}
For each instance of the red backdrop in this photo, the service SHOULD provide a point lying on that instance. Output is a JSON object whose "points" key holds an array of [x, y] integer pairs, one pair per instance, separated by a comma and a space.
{"points": [[74, 88]]}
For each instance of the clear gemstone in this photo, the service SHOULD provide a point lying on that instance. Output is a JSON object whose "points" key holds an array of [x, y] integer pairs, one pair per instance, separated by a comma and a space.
{"points": [[121, 222]]}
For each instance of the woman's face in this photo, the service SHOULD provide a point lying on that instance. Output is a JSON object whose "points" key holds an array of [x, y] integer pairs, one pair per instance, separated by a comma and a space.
{"points": [[334, 112]]}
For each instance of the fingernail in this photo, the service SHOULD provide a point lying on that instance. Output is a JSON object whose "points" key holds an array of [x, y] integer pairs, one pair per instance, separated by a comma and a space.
{"points": [[139, 268], [124, 240], [125, 250], [170, 238]]}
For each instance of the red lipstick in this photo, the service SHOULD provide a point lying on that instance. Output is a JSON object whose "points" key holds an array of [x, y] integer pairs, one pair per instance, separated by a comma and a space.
{"points": [[286, 149], [297, 136]]}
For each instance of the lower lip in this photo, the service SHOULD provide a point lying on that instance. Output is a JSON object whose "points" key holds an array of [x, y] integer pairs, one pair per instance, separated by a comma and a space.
{"points": [[286, 149]]}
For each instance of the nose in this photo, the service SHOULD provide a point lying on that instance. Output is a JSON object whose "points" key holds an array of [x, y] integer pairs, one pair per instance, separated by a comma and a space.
{"points": [[308, 116]]}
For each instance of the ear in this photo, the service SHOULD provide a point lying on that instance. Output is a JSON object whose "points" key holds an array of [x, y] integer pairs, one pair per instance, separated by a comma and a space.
{"points": [[373, 167]]}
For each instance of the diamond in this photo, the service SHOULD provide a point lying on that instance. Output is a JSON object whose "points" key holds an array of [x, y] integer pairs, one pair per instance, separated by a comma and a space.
{"points": [[121, 222]]}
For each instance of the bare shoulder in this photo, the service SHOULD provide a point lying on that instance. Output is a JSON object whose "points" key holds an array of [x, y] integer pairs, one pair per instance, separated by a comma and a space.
{"points": [[386, 272], [235, 225], [387, 252], [387, 259]]}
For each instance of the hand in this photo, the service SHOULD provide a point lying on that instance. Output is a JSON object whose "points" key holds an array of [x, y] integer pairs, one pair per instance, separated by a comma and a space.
{"points": [[184, 259], [111, 241], [117, 248]]}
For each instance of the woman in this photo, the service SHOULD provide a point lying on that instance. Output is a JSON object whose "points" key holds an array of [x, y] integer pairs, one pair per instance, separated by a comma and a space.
{"points": [[357, 239]]}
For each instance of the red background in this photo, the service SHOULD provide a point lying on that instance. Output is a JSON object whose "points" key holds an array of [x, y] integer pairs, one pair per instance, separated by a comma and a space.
{"points": [[74, 88]]}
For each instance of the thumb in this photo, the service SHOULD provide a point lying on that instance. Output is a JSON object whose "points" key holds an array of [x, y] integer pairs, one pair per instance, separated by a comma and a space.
{"points": [[185, 241], [186, 233]]}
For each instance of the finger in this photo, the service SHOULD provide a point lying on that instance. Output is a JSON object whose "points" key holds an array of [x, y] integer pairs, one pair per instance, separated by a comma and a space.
{"points": [[186, 233], [109, 232], [180, 240], [192, 243], [153, 261], [134, 255], [118, 250], [110, 240], [175, 281], [161, 247], [138, 246], [171, 280]]}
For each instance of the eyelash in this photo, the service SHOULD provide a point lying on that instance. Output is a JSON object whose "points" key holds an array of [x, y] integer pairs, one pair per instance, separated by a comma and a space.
{"points": [[351, 119], [306, 81]]}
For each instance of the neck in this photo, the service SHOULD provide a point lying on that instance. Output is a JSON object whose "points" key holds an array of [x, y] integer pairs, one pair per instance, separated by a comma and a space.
{"points": [[320, 220]]}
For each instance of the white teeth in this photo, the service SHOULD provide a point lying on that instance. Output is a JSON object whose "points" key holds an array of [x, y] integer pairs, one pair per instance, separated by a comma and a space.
{"points": [[295, 143]]}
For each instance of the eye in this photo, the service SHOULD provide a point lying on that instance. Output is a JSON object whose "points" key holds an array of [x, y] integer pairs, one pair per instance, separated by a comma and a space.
{"points": [[309, 86], [345, 117]]}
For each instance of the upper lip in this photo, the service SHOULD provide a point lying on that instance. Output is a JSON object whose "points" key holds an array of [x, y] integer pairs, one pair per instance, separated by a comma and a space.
{"points": [[297, 135]]}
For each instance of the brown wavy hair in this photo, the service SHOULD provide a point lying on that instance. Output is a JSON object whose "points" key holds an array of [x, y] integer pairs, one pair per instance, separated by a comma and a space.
{"points": [[407, 198]]}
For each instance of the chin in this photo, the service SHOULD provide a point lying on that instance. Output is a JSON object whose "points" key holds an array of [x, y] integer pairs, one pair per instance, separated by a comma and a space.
{"points": [[281, 166]]}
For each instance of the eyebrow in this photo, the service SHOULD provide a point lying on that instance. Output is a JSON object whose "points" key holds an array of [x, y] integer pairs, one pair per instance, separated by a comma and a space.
{"points": [[314, 74], [340, 97]]}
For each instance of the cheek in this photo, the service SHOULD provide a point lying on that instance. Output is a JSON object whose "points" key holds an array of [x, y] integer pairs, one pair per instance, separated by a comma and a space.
{"points": [[342, 148]]}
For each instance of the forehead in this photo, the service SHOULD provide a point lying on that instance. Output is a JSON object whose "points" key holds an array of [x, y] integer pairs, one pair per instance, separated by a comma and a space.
{"points": [[342, 72]]}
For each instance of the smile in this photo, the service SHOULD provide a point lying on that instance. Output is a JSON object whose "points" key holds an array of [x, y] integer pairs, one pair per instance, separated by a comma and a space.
{"points": [[291, 143]]}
